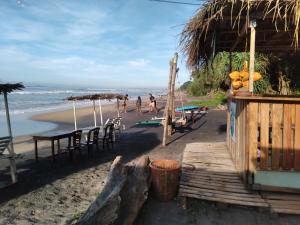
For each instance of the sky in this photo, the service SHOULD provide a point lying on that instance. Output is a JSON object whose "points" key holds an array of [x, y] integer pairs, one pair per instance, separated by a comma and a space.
{"points": [[98, 43]]}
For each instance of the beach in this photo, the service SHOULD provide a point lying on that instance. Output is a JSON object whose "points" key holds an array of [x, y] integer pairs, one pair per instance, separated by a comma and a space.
{"points": [[59, 192]]}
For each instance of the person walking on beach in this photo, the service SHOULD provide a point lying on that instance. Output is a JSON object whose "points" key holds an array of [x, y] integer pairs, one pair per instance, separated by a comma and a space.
{"points": [[124, 104], [152, 105], [139, 105]]}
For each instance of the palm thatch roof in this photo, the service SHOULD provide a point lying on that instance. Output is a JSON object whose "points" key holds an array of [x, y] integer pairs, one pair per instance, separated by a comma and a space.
{"points": [[7, 88], [223, 25], [102, 96]]}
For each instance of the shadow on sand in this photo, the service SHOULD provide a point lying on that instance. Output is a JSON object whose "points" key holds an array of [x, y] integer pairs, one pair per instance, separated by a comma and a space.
{"points": [[33, 175]]}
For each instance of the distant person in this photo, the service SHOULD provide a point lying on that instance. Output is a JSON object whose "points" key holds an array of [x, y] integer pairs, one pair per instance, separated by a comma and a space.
{"points": [[139, 105], [152, 104], [124, 104]]}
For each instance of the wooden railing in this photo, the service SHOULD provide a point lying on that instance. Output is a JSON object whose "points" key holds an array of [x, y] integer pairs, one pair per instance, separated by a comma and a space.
{"points": [[264, 134]]}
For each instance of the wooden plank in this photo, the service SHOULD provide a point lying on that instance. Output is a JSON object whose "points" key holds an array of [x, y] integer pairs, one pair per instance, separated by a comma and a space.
{"points": [[229, 201], [287, 211], [216, 186], [267, 98], [214, 174], [281, 196], [222, 198], [285, 204], [277, 115], [297, 139], [6, 138], [264, 135], [252, 140], [243, 159], [210, 178], [221, 194], [287, 137]]}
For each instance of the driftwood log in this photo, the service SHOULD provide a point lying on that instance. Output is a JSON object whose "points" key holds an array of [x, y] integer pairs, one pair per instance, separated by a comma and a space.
{"points": [[123, 195]]}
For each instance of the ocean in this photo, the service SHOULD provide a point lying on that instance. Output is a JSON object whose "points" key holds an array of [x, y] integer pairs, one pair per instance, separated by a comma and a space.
{"points": [[37, 99]]}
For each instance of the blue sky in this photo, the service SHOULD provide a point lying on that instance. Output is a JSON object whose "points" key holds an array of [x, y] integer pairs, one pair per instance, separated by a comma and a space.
{"points": [[100, 43]]}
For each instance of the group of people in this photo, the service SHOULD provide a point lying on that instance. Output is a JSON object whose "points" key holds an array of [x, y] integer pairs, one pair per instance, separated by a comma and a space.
{"points": [[152, 104]]}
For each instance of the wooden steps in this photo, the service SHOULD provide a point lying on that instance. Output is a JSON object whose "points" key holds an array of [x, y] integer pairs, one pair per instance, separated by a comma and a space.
{"points": [[283, 203], [208, 173]]}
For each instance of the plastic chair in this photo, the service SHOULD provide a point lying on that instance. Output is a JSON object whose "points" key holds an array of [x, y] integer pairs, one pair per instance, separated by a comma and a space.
{"points": [[108, 135], [76, 145], [92, 139]]}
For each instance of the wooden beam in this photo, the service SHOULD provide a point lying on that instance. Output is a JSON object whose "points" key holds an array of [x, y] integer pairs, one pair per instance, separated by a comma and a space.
{"points": [[252, 58], [166, 112], [174, 72]]}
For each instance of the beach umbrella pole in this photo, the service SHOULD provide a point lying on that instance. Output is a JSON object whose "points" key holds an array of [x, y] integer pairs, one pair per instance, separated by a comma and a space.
{"points": [[118, 107], [95, 117], [74, 112], [13, 167], [100, 111]]}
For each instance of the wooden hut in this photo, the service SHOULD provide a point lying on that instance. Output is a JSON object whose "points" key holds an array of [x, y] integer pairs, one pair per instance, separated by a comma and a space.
{"points": [[7, 141], [263, 132]]}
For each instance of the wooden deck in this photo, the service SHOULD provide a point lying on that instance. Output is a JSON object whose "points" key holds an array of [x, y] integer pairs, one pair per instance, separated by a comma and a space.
{"points": [[208, 173]]}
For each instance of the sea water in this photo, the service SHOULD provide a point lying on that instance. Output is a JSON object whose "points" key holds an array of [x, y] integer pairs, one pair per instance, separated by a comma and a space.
{"points": [[37, 99]]}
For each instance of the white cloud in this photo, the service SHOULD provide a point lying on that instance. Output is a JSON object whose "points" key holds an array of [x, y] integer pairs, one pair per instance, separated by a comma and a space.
{"points": [[138, 63], [87, 41]]}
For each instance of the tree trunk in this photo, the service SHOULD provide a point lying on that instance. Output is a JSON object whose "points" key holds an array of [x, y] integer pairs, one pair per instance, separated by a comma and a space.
{"points": [[123, 195]]}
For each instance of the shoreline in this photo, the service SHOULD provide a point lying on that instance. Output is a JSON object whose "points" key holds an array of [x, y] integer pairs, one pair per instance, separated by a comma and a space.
{"points": [[64, 120]]}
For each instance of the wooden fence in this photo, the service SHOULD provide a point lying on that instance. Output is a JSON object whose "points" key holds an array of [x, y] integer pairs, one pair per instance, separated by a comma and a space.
{"points": [[263, 134]]}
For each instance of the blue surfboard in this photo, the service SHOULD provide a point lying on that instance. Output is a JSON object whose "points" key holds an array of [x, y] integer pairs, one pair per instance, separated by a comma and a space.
{"points": [[188, 107]]}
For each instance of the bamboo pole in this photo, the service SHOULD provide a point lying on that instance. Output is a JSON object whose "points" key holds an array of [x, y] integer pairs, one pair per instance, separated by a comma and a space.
{"points": [[13, 168], [100, 111], [95, 116], [252, 56], [174, 72], [74, 114], [167, 111], [118, 107]]}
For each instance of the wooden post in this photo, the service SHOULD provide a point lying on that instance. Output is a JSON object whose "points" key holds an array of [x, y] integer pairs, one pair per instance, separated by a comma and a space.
{"points": [[167, 111], [118, 107], [13, 167], [74, 113], [172, 103], [252, 55], [100, 111], [95, 116]]}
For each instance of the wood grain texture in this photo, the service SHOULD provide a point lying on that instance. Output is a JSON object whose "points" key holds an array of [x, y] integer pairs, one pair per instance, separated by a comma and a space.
{"points": [[252, 137], [287, 137], [277, 115], [297, 138], [264, 135]]}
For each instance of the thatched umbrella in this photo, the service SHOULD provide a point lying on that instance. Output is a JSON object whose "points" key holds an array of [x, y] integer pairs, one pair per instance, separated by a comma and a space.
{"points": [[223, 25], [5, 89], [94, 97]]}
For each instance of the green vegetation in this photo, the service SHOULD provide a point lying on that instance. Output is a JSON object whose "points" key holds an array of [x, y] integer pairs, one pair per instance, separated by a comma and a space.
{"points": [[185, 86], [218, 99], [279, 75]]}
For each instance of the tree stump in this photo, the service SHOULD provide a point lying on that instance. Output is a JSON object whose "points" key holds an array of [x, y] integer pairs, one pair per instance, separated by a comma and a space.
{"points": [[123, 195]]}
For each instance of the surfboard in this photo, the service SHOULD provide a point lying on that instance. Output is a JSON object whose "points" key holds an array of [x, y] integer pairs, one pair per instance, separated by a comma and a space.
{"points": [[188, 107], [148, 123]]}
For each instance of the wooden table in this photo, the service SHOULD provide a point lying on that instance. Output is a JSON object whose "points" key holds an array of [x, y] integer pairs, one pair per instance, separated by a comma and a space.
{"points": [[52, 137]]}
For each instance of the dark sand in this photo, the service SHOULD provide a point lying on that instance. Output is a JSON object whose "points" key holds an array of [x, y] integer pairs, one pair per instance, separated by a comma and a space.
{"points": [[56, 193]]}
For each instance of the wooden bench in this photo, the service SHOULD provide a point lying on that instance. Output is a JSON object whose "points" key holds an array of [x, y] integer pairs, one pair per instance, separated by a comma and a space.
{"points": [[4, 144]]}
